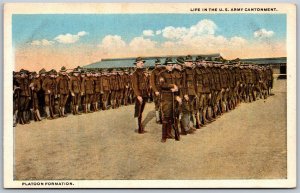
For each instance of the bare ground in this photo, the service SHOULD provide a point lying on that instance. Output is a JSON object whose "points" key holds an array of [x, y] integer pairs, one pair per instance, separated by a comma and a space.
{"points": [[246, 143]]}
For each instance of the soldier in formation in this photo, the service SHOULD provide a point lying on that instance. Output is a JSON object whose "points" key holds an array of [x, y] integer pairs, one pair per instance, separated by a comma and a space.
{"points": [[188, 94]]}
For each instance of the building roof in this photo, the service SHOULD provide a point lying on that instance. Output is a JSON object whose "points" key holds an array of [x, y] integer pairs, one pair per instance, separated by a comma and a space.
{"points": [[129, 62], [280, 60]]}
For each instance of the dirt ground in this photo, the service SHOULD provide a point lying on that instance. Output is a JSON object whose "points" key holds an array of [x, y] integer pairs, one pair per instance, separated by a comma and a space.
{"points": [[246, 143]]}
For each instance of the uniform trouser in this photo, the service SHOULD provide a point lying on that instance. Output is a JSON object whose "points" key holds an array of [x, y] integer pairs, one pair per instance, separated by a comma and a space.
{"points": [[188, 108], [76, 99], [96, 97], [156, 102], [104, 99], [126, 96], [120, 96], [63, 100], [167, 110], [35, 101], [49, 100], [113, 97], [24, 103], [88, 99], [138, 111]]}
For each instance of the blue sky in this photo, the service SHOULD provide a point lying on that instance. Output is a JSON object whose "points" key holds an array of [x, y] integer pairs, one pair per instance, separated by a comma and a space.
{"points": [[27, 28]]}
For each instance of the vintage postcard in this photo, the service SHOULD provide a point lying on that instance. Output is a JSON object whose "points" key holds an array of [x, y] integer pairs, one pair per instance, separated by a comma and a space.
{"points": [[149, 95]]}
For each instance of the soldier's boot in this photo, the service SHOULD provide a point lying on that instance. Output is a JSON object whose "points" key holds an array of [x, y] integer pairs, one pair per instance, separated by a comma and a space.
{"points": [[15, 118], [77, 110], [182, 129], [20, 118], [125, 102], [47, 110], [25, 118], [209, 114], [187, 120], [63, 112], [60, 112], [89, 108], [197, 120], [96, 104], [74, 110], [32, 115], [104, 105], [85, 108], [170, 131], [157, 116], [164, 132], [204, 115], [38, 115], [193, 122], [112, 104]]}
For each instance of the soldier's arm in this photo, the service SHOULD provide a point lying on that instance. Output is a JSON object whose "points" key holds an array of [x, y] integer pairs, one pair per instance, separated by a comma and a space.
{"points": [[164, 85], [38, 85], [44, 85], [184, 84], [152, 82], [134, 83]]}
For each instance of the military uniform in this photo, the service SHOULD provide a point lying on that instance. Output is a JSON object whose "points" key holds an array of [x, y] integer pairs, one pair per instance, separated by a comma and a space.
{"points": [[114, 87], [121, 90], [87, 88], [154, 82], [97, 93], [63, 90], [50, 89], [168, 96], [35, 87], [24, 96], [139, 85], [105, 88], [75, 89], [127, 83], [189, 91]]}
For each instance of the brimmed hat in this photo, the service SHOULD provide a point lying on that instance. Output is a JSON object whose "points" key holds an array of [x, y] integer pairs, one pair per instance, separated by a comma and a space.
{"points": [[169, 61], [63, 69], [139, 59], [42, 71], [52, 72], [33, 73], [22, 71], [188, 58], [157, 61], [180, 60], [199, 59], [76, 70]]}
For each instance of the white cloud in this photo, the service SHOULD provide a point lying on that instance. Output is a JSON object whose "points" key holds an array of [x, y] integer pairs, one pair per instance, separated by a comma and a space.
{"points": [[263, 33], [148, 33], [171, 32], [69, 38], [140, 43], [43, 42], [112, 43], [158, 32], [203, 27]]}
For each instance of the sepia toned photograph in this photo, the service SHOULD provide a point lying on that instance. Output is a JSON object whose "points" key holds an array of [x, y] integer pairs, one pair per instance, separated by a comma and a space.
{"points": [[124, 95]]}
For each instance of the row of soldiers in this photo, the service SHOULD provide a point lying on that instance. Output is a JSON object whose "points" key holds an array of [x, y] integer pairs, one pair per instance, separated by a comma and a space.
{"points": [[191, 94], [52, 94]]}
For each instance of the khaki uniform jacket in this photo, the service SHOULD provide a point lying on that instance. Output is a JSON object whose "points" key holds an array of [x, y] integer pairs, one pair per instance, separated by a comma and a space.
{"points": [[189, 82], [50, 84], [63, 85], [154, 81], [105, 83], [75, 84], [114, 82], [139, 83], [87, 85], [24, 86]]}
